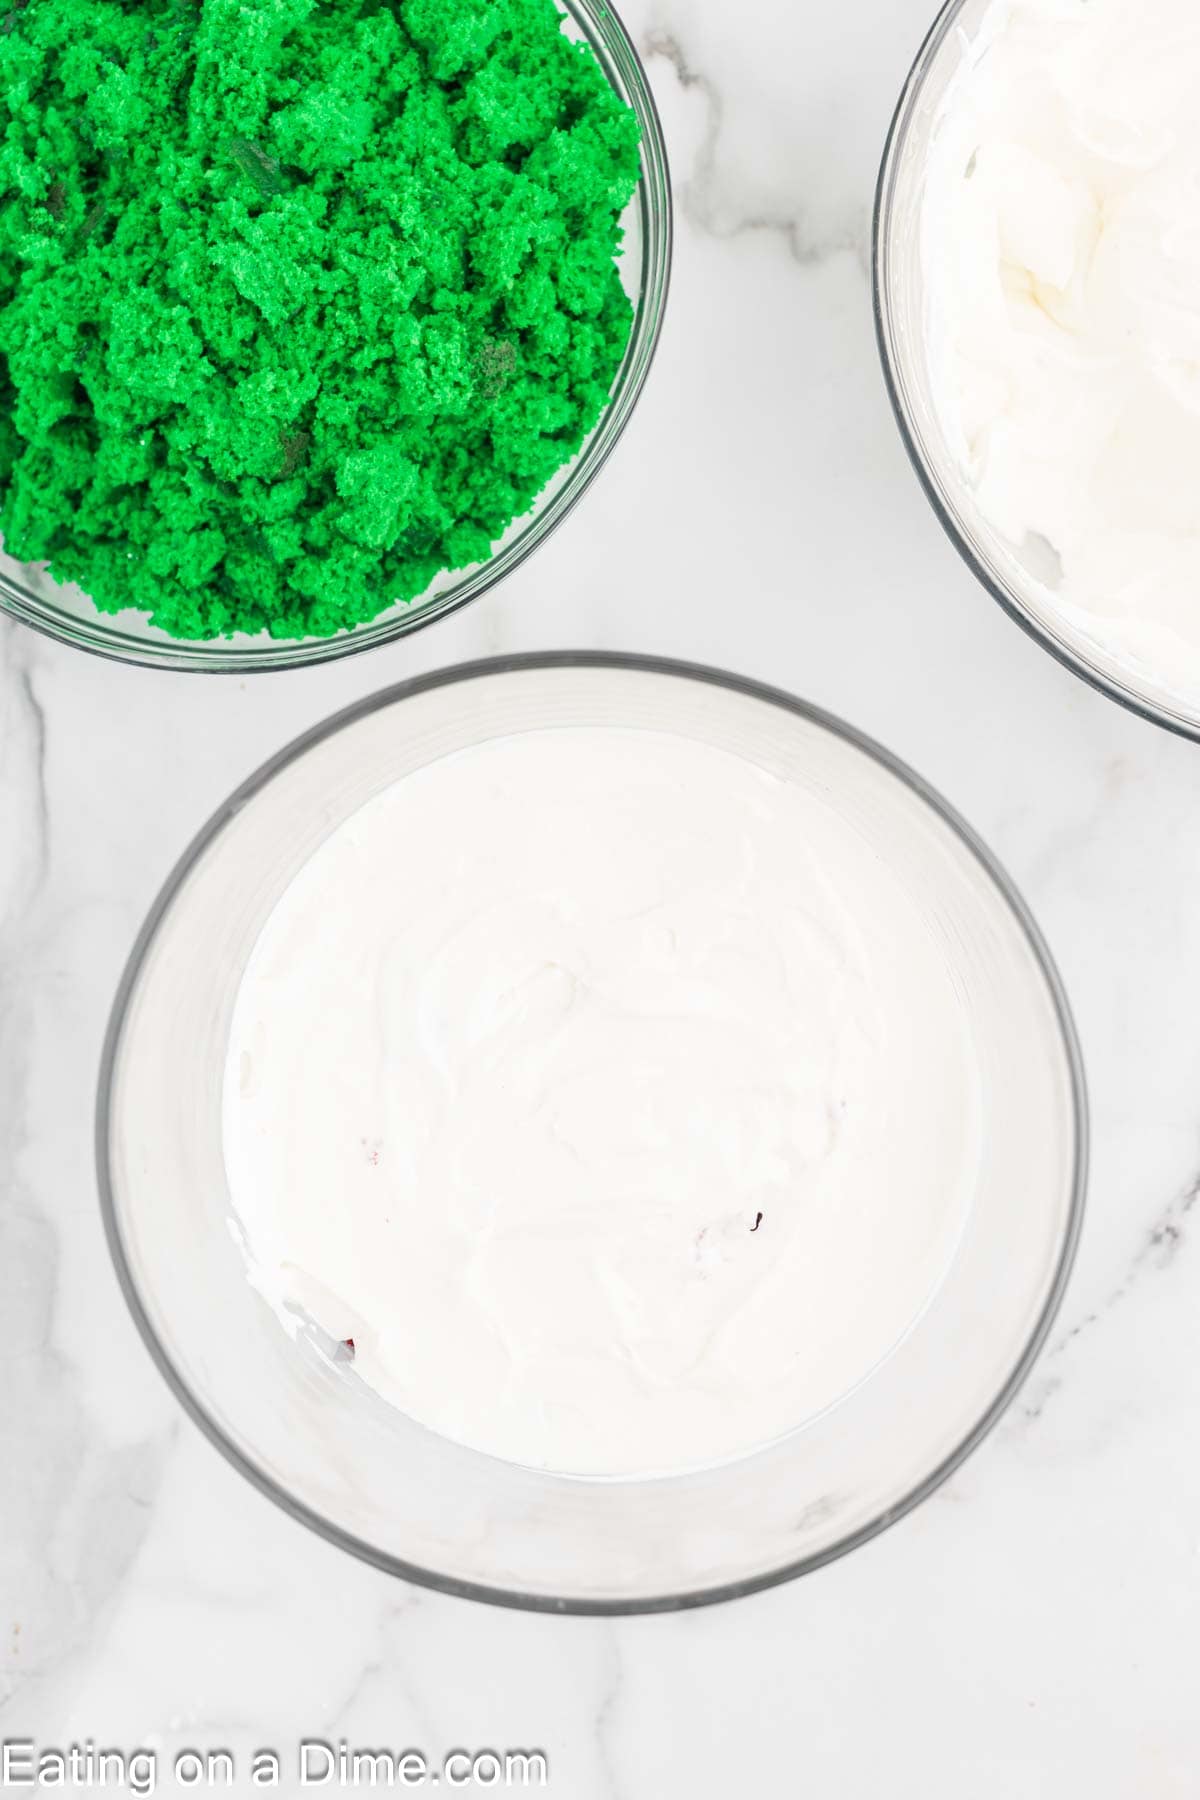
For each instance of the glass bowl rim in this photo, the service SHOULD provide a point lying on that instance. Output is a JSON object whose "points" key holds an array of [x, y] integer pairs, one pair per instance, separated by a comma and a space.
{"points": [[100, 636], [384, 1560], [1125, 692]]}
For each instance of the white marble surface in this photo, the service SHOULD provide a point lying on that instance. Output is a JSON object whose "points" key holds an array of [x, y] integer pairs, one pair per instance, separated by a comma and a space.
{"points": [[1031, 1631]]}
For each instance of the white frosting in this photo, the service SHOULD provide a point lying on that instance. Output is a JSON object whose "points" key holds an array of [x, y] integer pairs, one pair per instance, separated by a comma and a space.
{"points": [[527, 1048], [1060, 243]]}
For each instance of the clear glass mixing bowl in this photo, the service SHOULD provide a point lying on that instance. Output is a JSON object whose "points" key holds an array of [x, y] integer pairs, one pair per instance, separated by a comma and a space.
{"points": [[1013, 576], [363, 1474], [65, 612]]}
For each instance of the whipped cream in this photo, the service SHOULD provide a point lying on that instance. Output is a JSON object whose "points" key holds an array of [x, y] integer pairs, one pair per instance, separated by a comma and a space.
{"points": [[1060, 246], [609, 1093]]}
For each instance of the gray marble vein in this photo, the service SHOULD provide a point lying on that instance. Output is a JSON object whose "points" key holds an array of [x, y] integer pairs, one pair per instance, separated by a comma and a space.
{"points": [[706, 193], [26, 819], [607, 1711], [1159, 1250], [75, 1510]]}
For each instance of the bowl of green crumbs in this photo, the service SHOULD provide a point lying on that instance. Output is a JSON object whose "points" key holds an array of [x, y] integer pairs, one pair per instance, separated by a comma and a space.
{"points": [[316, 316]]}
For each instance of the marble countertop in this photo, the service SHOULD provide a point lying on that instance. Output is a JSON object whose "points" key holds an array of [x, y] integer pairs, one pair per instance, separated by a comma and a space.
{"points": [[1031, 1630]]}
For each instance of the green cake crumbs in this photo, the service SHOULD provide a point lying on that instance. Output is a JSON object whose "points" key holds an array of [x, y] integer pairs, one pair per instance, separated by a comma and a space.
{"points": [[302, 302]]}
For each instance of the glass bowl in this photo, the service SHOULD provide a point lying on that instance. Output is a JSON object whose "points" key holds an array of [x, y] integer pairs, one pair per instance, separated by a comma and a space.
{"points": [[28, 593], [900, 314], [369, 1478]]}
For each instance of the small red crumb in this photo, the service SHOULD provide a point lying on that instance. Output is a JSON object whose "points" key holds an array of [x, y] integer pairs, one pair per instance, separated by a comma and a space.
{"points": [[348, 1344]]}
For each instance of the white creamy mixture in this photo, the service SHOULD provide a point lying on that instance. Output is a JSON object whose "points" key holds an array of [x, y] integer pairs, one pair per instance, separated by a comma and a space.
{"points": [[610, 1093], [1061, 251]]}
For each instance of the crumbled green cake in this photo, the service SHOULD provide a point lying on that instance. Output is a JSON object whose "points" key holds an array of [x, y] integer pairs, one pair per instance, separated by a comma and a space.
{"points": [[301, 301]]}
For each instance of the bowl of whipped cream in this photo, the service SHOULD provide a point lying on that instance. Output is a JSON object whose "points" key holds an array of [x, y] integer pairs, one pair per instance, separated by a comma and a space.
{"points": [[592, 1134], [1037, 281]]}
